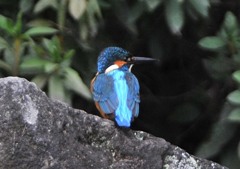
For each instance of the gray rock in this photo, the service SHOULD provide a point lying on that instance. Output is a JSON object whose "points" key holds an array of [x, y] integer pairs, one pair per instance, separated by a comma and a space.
{"points": [[37, 132]]}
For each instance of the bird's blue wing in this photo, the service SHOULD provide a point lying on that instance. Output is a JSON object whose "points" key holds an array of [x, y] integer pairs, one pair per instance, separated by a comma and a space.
{"points": [[133, 98], [104, 94]]}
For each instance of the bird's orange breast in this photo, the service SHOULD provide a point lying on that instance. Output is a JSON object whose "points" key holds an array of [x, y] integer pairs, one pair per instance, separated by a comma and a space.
{"points": [[120, 63]]}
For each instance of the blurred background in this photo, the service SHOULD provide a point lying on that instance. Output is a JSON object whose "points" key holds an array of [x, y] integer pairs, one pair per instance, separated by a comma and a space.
{"points": [[191, 99]]}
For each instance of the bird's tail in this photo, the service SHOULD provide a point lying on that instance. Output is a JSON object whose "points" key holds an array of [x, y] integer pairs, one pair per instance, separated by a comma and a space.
{"points": [[123, 118]]}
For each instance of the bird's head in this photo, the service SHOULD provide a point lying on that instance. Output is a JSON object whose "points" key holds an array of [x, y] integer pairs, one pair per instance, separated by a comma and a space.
{"points": [[115, 57]]}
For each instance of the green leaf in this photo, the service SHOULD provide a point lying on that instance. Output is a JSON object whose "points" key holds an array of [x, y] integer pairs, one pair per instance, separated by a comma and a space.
{"points": [[104, 4], [33, 65], [69, 54], [54, 49], [6, 24], [77, 8], [48, 45], [40, 80], [66, 62], [136, 11], [218, 67], [236, 76], [93, 13], [8, 56], [17, 29], [93, 8], [153, 4], [234, 97], [174, 15], [38, 31], [55, 88], [50, 67], [201, 6], [235, 115], [212, 43], [74, 82], [83, 30], [236, 59], [230, 22], [25, 5], [41, 5], [3, 44], [40, 22], [5, 66], [56, 54]]}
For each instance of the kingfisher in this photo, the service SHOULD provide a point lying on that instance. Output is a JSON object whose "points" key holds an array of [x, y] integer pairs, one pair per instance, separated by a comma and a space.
{"points": [[115, 89]]}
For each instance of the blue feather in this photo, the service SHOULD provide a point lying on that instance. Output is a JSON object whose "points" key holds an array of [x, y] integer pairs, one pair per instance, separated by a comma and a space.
{"points": [[123, 115], [133, 94], [109, 55], [118, 92], [103, 93]]}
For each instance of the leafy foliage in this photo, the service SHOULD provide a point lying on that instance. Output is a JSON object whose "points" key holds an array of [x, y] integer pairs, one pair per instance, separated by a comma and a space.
{"points": [[191, 98], [53, 65], [54, 68], [227, 41], [227, 47], [16, 42]]}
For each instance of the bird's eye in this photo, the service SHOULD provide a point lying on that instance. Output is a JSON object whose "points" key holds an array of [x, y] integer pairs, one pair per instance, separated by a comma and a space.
{"points": [[128, 59]]}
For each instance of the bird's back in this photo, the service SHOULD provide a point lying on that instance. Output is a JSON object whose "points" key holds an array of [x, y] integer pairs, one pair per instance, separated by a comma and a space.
{"points": [[117, 93]]}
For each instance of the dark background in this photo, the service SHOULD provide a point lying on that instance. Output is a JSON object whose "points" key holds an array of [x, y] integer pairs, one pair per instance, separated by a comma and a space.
{"points": [[182, 99]]}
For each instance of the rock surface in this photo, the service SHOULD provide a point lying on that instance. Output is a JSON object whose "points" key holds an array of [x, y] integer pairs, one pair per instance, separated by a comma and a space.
{"points": [[37, 132]]}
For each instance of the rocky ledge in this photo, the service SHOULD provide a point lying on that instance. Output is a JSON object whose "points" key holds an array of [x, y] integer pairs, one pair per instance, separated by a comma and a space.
{"points": [[37, 132]]}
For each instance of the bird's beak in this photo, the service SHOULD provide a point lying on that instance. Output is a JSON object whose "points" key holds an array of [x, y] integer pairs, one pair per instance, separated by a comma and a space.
{"points": [[136, 59]]}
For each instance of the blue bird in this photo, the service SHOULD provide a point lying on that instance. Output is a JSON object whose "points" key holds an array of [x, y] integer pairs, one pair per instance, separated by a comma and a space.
{"points": [[115, 89]]}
